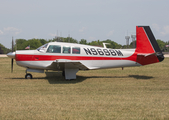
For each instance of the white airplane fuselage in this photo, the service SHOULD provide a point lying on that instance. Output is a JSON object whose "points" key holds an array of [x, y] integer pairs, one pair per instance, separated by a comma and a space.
{"points": [[92, 57]]}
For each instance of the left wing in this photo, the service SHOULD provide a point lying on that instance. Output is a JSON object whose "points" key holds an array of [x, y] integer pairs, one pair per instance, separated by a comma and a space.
{"points": [[62, 64]]}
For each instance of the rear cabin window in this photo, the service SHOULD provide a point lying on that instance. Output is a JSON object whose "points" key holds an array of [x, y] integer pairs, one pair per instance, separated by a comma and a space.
{"points": [[76, 50], [66, 50], [54, 49]]}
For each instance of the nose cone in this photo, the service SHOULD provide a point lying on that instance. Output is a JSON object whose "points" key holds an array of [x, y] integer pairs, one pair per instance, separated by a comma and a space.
{"points": [[11, 55]]}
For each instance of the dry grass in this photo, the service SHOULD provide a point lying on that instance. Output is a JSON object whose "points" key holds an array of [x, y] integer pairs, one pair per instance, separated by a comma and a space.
{"points": [[134, 93]]}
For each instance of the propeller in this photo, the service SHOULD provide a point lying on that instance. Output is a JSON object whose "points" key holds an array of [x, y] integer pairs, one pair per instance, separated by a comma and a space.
{"points": [[12, 55], [12, 58]]}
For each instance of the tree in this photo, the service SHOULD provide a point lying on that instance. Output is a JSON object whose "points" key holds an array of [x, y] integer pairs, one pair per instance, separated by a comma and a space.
{"points": [[166, 48], [94, 43], [161, 44], [131, 44], [43, 41], [1, 51], [70, 40], [20, 43], [4, 50], [83, 41], [34, 43]]}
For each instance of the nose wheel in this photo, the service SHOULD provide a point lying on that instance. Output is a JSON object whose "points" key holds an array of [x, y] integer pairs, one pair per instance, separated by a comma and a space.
{"points": [[28, 76]]}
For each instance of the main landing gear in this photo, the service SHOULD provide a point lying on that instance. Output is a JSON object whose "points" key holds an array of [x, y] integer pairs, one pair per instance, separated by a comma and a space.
{"points": [[63, 73]]}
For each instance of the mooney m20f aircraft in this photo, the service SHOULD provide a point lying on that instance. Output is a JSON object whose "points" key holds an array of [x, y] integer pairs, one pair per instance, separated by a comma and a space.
{"points": [[70, 57]]}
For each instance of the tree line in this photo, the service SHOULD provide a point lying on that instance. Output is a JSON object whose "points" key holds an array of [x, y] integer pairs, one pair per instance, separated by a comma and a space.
{"points": [[4, 50], [21, 44]]}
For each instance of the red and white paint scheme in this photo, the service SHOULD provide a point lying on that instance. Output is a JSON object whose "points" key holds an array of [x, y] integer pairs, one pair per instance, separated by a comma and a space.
{"points": [[70, 57]]}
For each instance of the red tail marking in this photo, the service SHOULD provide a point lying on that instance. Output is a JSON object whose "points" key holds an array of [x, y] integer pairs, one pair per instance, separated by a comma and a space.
{"points": [[143, 43], [144, 46]]}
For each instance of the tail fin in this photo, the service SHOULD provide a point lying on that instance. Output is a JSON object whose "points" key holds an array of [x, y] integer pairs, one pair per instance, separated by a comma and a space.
{"points": [[146, 45]]}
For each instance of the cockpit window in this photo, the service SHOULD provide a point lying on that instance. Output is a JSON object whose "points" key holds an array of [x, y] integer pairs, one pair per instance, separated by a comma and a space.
{"points": [[54, 49], [43, 47]]}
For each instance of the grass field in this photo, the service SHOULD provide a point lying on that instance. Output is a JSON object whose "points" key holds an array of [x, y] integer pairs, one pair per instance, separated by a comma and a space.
{"points": [[136, 93]]}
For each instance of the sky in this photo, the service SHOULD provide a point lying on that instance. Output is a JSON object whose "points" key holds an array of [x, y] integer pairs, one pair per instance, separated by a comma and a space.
{"points": [[82, 19]]}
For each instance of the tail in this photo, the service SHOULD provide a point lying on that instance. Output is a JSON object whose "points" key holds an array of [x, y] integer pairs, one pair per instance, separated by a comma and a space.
{"points": [[147, 48]]}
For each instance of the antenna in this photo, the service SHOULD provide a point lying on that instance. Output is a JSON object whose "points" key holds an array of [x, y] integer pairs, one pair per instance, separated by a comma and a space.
{"points": [[104, 45]]}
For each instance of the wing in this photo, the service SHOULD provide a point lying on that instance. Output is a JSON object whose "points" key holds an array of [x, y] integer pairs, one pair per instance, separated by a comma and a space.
{"points": [[62, 64]]}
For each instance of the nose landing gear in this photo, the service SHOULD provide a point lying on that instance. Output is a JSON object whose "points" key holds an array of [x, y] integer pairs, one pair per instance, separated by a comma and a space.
{"points": [[28, 76]]}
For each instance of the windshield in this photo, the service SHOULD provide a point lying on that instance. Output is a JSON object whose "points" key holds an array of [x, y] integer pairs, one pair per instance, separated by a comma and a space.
{"points": [[42, 47]]}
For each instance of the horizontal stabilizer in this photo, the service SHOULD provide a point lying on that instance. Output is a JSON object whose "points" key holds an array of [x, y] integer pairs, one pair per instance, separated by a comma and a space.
{"points": [[145, 55]]}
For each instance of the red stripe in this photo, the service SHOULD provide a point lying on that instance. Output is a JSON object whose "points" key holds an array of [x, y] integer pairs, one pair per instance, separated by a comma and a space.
{"points": [[139, 59], [142, 41], [22, 57]]}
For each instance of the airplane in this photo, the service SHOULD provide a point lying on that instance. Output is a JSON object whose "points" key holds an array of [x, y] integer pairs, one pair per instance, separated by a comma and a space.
{"points": [[70, 57]]}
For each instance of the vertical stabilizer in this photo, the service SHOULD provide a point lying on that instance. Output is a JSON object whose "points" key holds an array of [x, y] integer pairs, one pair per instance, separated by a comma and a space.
{"points": [[147, 46], [146, 42]]}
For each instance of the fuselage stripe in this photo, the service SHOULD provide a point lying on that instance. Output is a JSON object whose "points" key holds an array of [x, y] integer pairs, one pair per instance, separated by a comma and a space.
{"points": [[24, 57]]}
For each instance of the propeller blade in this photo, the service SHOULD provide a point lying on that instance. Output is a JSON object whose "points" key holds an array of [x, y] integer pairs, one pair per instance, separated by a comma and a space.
{"points": [[11, 65], [12, 58]]}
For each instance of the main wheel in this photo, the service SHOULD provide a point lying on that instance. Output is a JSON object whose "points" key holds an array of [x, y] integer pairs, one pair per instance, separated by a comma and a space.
{"points": [[28, 76]]}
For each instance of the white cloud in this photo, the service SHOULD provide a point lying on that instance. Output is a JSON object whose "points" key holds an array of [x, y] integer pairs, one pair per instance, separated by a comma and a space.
{"points": [[82, 29], [156, 27], [1, 32], [165, 30], [110, 33], [52, 34], [12, 30], [92, 38]]}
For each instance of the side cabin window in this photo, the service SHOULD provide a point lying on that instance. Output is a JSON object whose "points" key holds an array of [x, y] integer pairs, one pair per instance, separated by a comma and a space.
{"points": [[66, 50], [54, 49], [76, 50]]}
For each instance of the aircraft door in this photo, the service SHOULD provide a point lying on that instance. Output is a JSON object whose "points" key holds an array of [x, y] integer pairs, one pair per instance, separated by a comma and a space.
{"points": [[97, 57]]}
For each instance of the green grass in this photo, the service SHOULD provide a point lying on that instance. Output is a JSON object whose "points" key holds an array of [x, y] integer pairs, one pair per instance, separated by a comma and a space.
{"points": [[135, 93]]}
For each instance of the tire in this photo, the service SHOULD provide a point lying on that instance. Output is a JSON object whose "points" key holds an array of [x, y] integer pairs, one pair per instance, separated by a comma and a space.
{"points": [[28, 76]]}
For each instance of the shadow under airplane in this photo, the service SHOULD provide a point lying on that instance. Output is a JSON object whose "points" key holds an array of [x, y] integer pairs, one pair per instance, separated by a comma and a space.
{"points": [[54, 78], [57, 78]]}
